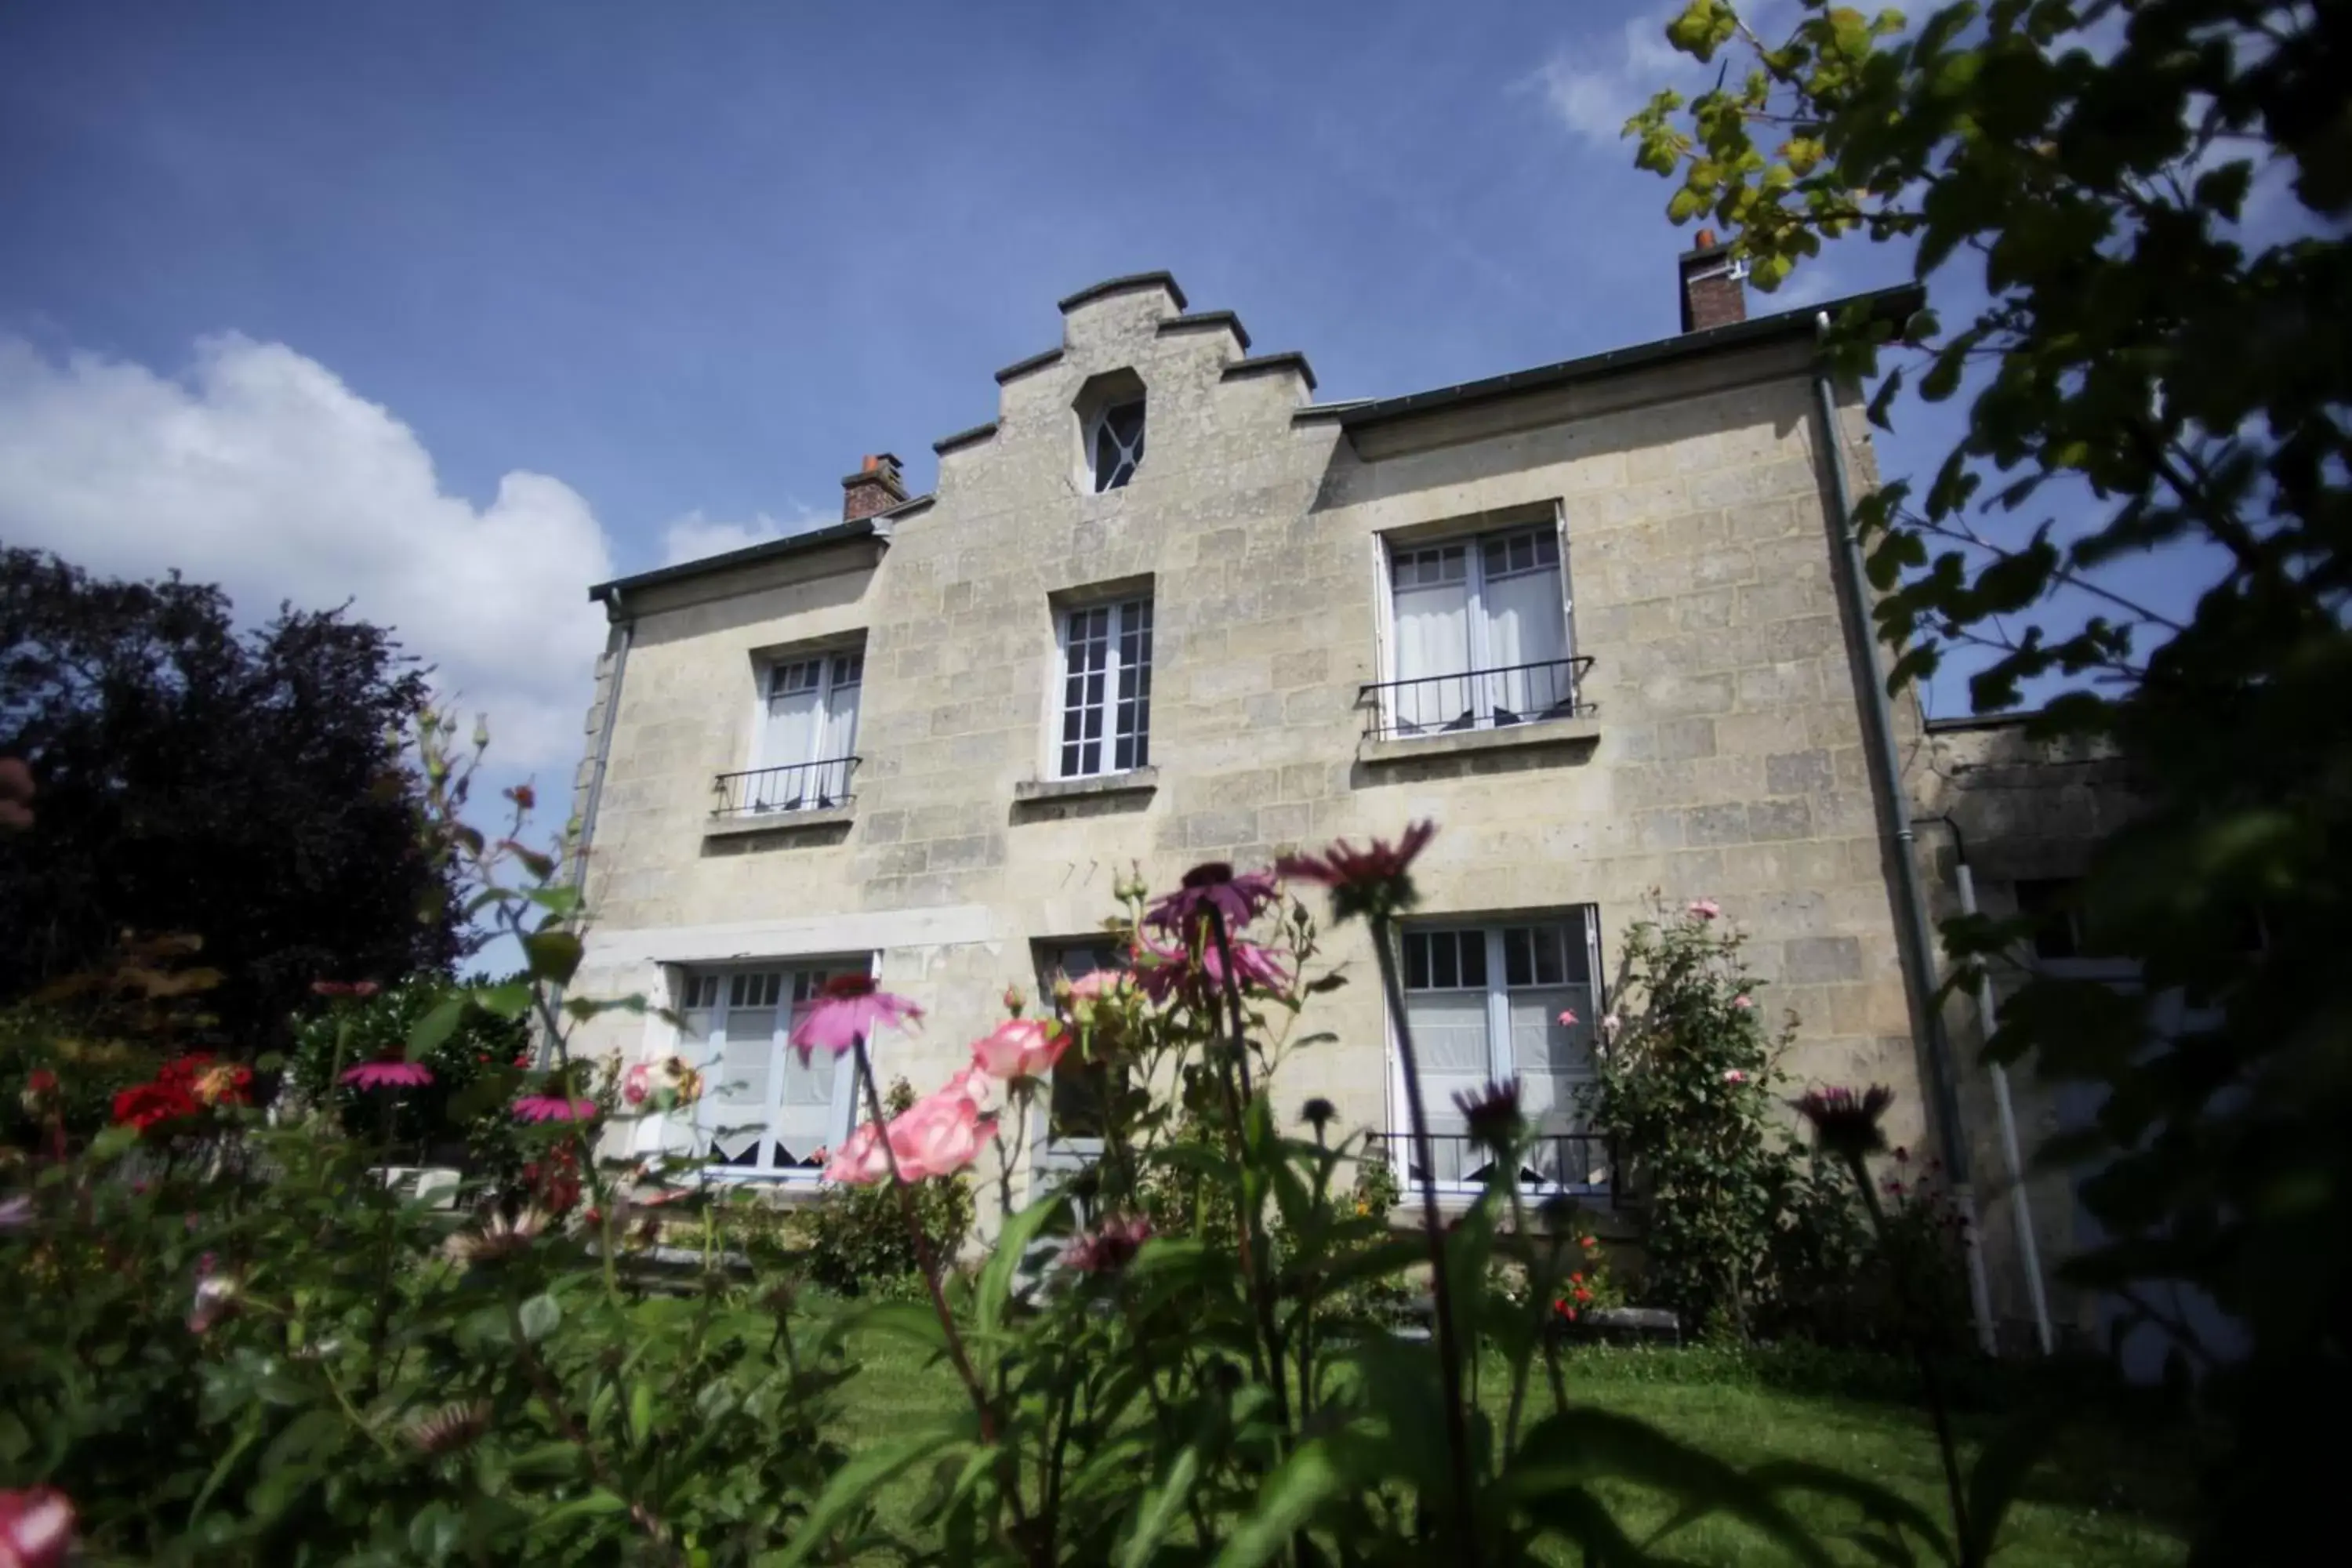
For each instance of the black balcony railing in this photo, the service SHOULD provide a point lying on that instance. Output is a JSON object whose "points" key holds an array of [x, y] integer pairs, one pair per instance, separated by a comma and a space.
{"points": [[1477, 699], [1555, 1163], [803, 786]]}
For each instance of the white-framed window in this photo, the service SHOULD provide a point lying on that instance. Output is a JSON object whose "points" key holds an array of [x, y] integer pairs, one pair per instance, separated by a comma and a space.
{"points": [[1106, 711], [1077, 1095], [1114, 437], [1485, 1000], [764, 1112], [1480, 633], [804, 755]]}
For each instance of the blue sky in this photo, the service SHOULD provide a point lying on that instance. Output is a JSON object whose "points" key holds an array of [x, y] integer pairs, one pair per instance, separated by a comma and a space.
{"points": [[457, 308]]}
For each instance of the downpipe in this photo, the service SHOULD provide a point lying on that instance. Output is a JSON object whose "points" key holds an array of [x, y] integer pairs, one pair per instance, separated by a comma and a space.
{"points": [[606, 722], [1915, 951]]}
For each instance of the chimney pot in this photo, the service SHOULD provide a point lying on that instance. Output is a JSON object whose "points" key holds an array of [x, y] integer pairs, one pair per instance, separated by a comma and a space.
{"points": [[1712, 294], [874, 487]]}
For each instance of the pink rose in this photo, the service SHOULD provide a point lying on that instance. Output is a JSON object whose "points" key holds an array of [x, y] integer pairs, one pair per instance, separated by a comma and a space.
{"points": [[1020, 1047], [37, 1528], [860, 1161], [1567, 1019], [1705, 908], [973, 1085], [1742, 1002], [939, 1135], [1733, 1075]]}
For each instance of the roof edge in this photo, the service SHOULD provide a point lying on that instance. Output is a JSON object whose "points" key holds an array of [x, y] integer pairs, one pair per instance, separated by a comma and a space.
{"points": [[1896, 304], [1288, 359], [972, 436], [611, 594], [1022, 367], [1198, 319], [1120, 285]]}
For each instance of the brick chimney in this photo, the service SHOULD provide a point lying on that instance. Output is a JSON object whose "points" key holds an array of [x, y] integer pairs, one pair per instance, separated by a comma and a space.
{"points": [[874, 487], [1713, 294]]}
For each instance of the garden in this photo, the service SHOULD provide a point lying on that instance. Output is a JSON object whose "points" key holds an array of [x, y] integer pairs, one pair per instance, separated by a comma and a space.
{"points": [[232, 1335]]}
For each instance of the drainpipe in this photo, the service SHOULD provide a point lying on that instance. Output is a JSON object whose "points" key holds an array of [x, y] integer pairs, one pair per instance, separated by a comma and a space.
{"points": [[2028, 1251], [604, 722], [1916, 947]]}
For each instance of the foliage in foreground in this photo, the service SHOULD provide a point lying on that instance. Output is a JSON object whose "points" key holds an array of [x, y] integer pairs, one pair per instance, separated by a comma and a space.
{"points": [[2141, 206]]}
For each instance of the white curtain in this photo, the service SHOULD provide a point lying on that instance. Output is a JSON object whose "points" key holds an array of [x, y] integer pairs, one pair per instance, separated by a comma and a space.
{"points": [[839, 740], [735, 1107], [791, 729], [1432, 639], [804, 1121], [1524, 624], [1449, 1040]]}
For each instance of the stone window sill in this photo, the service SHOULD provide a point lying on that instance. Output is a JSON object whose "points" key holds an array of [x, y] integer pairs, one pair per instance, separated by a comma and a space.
{"points": [[1135, 780], [741, 823], [1510, 738]]}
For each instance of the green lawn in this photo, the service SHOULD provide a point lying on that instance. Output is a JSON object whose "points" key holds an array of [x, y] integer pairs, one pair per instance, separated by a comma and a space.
{"points": [[2109, 1495]]}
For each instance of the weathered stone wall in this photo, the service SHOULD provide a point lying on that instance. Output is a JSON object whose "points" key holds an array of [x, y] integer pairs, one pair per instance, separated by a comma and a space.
{"points": [[2025, 809], [1725, 759]]}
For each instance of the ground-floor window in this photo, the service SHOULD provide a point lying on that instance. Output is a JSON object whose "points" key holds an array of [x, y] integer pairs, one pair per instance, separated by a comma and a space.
{"points": [[1077, 1097], [1514, 996], [765, 1113]]}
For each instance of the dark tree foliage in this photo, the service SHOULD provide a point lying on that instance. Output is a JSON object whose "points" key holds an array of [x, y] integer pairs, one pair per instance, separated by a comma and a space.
{"points": [[2138, 333], [243, 787]]}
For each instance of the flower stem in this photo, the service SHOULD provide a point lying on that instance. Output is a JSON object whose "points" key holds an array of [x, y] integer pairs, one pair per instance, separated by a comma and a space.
{"points": [[1923, 1358], [1449, 1362], [1254, 1256]]}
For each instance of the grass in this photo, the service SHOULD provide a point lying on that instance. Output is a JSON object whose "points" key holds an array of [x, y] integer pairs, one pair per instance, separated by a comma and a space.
{"points": [[2109, 1496]]}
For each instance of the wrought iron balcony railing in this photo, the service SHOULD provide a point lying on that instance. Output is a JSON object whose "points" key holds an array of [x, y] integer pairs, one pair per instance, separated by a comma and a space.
{"points": [[1476, 700], [1572, 1163], [803, 786]]}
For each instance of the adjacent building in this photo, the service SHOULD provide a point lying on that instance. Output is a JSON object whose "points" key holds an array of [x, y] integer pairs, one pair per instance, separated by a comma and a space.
{"points": [[1594, 618]]}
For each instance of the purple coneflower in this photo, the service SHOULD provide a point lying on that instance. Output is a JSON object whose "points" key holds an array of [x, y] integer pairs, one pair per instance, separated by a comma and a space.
{"points": [[1376, 881], [849, 1008], [392, 1073], [1236, 898], [553, 1108], [1847, 1124]]}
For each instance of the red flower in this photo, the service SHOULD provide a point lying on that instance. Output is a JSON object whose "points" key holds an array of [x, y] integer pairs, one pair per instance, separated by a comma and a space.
{"points": [[1376, 881], [151, 1105], [1564, 1309], [1581, 1294]]}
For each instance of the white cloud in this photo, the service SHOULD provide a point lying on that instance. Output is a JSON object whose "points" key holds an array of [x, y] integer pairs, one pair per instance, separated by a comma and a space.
{"points": [[694, 536], [1595, 84], [258, 469]]}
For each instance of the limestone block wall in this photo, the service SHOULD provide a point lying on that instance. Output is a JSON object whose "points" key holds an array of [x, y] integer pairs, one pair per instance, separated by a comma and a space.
{"points": [[1725, 759]]}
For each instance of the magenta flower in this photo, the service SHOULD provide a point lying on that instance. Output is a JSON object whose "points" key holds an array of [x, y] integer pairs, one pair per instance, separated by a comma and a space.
{"points": [[849, 1009], [1742, 1002], [37, 1528], [1568, 1018], [1256, 968], [552, 1108], [1733, 1075], [1375, 882], [1235, 899], [1705, 908], [1108, 1249], [389, 1074]]}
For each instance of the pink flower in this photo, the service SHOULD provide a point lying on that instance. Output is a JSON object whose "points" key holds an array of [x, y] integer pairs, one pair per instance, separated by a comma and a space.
{"points": [[552, 1108], [1609, 1024], [1567, 1019], [356, 989], [1235, 899], [1108, 1249], [1098, 984], [1743, 1002], [393, 1074], [1705, 908], [1377, 881], [1020, 1049], [939, 1135], [848, 1010], [665, 1085], [36, 1528], [974, 1084], [1255, 967], [860, 1161], [1733, 1075]]}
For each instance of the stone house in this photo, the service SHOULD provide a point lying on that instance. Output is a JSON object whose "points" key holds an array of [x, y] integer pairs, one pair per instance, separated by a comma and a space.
{"points": [[1593, 618]]}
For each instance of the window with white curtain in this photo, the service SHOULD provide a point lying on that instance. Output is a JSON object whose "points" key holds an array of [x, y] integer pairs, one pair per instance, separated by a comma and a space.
{"points": [[1106, 689], [764, 1112], [1481, 633], [1077, 1100], [808, 732], [1485, 1003]]}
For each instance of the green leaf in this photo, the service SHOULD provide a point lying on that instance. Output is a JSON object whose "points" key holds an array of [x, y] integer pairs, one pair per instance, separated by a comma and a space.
{"points": [[599, 1502], [1312, 1476], [641, 1414], [553, 955], [539, 1315], [508, 999], [2000, 1470], [114, 1143], [1568, 1450], [860, 1478], [1883, 399], [912, 1320], [997, 1278], [1160, 1506], [436, 1026]]}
